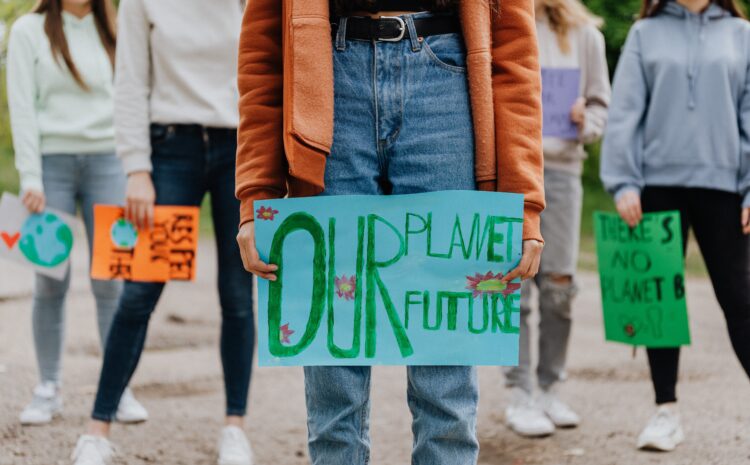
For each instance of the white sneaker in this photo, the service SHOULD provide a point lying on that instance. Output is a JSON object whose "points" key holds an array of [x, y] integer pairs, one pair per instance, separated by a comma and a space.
{"points": [[234, 448], [46, 405], [93, 450], [130, 410], [526, 418], [663, 432], [558, 411]]}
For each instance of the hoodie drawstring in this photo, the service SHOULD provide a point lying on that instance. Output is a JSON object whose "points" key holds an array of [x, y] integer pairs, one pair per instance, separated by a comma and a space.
{"points": [[693, 50]]}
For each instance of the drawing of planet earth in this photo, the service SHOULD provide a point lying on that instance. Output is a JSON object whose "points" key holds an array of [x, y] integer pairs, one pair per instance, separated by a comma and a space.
{"points": [[124, 234], [46, 240]]}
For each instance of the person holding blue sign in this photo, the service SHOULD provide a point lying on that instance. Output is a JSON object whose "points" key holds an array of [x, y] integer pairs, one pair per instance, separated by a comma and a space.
{"points": [[60, 68], [408, 97], [679, 140], [576, 85]]}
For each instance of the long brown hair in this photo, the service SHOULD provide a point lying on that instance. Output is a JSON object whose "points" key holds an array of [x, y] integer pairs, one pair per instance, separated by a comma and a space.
{"points": [[566, 14], [104, 17], [654, 7]]}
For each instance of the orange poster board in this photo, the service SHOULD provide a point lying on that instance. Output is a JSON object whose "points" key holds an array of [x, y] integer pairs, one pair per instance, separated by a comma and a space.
{"points": [[160, 254]]}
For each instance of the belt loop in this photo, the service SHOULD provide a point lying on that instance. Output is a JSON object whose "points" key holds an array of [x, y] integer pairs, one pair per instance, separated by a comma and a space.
{"points": [[416, 45], [341, 34]]}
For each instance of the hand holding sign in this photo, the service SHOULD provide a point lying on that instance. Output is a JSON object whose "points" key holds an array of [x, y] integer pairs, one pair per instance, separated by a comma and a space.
{"points": [[642, 280], [42, 241], [398, 280], [167, 251]]}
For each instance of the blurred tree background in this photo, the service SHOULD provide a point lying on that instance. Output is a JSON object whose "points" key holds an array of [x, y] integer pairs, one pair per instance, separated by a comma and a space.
{"points": [[618, 15]]}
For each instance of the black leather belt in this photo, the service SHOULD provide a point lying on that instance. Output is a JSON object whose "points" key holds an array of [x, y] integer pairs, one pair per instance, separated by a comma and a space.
{"points": [[396, 5], [394, 29]]}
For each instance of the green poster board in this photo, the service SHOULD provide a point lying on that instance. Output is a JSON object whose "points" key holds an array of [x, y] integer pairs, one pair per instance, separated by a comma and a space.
{"points": [[642, 275]]}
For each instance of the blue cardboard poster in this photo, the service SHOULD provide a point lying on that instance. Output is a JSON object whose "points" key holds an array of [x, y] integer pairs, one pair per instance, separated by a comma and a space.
{"points": [[390, 280], [560, 90]]}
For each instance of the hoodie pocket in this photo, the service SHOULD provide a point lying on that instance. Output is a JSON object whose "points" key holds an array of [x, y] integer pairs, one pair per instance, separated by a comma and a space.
{"points": [[311, 82]]}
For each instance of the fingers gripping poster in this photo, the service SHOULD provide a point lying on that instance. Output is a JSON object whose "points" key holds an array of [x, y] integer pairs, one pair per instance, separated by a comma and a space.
{"points": [[642, 275], [42, 241], [165, 252], [390, 280]]}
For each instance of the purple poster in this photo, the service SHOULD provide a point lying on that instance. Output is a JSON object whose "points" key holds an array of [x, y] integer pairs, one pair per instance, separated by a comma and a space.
{"points": [[560, 90]]}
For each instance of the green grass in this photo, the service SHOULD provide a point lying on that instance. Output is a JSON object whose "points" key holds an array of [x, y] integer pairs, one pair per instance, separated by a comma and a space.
{"points": [[8, 173]]}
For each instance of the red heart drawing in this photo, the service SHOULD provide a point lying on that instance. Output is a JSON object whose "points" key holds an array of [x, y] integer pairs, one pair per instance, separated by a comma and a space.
{"points": [[10, 240]]}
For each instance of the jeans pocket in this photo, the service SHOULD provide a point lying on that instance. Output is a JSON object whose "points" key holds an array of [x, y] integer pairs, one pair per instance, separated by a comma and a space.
{"points": [[160, 133], [447, 51]]}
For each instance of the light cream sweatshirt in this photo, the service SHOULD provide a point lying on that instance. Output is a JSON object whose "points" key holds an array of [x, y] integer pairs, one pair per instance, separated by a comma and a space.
{"points": [[176, 64], [587, 52], [50, 114]]}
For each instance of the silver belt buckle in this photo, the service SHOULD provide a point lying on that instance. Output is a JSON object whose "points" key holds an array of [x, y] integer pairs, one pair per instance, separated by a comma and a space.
{"points": [[401, 25]]}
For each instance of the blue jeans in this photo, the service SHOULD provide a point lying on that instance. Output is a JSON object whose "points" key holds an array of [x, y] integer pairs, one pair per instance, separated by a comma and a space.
{"points": [[402, 126], [189, 161], [70, 180]]}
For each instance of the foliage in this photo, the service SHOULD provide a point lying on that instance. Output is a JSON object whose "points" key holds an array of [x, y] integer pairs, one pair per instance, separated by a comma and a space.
{"points": [[618, 16]]}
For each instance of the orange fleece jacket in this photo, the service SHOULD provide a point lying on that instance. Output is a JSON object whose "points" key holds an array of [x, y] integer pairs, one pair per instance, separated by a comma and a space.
{"points": [[286, 101]]}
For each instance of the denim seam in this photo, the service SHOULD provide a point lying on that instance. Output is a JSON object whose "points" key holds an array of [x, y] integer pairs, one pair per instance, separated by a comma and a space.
{"points": [[441, 63], [364, 414], [378, 142], [127, 376]]}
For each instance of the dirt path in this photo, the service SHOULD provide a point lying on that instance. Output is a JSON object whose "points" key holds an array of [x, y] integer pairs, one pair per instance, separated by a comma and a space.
{"points": [[179, 380]]}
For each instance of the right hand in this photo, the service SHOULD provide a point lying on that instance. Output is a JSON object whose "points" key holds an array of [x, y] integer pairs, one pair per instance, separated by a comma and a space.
{"points": [[140, 197], [250, 258], [34, 200], [629, 208], [578, 113]]}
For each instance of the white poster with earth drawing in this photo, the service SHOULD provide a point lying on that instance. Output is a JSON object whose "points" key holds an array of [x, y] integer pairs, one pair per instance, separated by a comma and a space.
{"points": [[42, 241]]}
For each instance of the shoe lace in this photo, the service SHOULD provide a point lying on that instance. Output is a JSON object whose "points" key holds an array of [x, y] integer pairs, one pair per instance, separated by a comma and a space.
{"points": [[661, 420], [527, 407], [90, 447], [39, 402], [235, 442]]}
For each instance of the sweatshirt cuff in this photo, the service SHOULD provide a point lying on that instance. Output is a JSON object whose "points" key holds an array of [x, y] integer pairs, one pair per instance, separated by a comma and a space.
{"points": [[625, 189], [532, 222], [248, 196], [31, 182], [136, 163], [746, 200]]}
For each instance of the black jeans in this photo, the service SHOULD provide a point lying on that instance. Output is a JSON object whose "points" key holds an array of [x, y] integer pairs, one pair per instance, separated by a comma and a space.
{"points": [[714, 217], [189, 161]]}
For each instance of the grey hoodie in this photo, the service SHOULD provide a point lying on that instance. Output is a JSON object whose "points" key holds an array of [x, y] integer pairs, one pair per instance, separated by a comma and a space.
{"points": [[680, 111]]}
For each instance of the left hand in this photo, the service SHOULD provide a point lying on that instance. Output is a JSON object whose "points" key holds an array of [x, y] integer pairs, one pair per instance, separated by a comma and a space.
{"points": [[746, 220], [529, 265], [578, 113]]}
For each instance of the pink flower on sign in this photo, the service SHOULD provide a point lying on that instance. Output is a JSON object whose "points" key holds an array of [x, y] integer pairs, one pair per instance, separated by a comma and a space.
{"points": [[345, 287], [285, 333], [267, 213], [481, 284]]}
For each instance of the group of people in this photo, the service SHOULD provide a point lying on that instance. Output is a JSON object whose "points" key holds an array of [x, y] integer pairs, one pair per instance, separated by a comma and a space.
{"points": [[178, 98]]}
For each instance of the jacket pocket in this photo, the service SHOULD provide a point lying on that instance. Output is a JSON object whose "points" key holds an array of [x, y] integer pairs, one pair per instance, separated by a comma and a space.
{"points": [[311, 82]]}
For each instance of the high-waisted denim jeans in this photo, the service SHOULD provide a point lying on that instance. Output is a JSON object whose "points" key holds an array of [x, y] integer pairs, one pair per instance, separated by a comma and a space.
{"points": [[402, 126], [189, 161], [70, 180]]}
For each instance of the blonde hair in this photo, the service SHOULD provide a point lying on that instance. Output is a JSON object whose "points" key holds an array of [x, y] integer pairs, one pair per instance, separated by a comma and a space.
{"points": [[566, 14]]}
